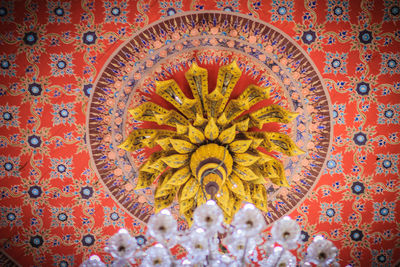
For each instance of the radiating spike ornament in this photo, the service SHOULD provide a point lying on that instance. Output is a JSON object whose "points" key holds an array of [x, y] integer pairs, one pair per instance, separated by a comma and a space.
{"points": [[212, 154]]}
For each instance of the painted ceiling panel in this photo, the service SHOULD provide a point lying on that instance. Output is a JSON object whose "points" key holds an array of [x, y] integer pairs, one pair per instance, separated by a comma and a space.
{"points": [[64, 95]]}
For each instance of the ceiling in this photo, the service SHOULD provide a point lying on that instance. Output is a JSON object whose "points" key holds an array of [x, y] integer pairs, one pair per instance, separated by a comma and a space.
{"points": [[58, 207]]}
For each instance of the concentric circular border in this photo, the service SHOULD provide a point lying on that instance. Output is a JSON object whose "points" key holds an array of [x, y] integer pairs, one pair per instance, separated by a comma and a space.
{"points": [[117, 79]]}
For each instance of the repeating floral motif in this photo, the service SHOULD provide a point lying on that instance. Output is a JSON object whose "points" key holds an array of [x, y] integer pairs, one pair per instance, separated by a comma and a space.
{"points": [[282, 10], [54, 210], [388, 114], [390, 63], [116, 11], [336, 63], [338, 10], [59, 12]]}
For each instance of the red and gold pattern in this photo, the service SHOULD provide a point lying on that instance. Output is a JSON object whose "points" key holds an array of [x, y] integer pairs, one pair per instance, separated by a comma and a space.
{"points": [[56, 209]]}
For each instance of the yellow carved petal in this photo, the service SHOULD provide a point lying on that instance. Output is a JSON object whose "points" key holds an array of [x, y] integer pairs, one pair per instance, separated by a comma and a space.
{"points": [[262, 205], [147, 167], [181, 129], [235, 108], [158, 165], [145, 179], [273, 113], [247, 197], [163, 202], [211, 131], [254, 94], [200, 120], [236, 204], [228, 135], [245, 159], [182, 146], [222, 119], [171, 118], [197, 79], [256, 142], [245, 173], [186, 205], [277, 173], [223, 197], [243, 125], [201, 198], [240, 146], [228, 76], [259, 181], [258, 192], [264, 158], [170, 91], [282, 142], [164, 143], [235, 185], [163, 187], [163, 191], [176, 160], [180, 176], [190, 189], [144, 138], [195, 135], [189, 217], [213, 102]]}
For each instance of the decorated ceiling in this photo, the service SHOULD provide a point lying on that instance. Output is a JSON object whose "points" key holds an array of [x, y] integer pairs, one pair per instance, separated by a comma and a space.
{"points": [[78, 78]]}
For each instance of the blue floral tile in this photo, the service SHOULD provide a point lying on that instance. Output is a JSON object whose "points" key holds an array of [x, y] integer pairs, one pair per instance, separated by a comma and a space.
{"points": [[9, 166], [61, 64], [388, 114], [330, 212], [282, 10], [337, 10], [62, 217], [170, 8], [390, 63], [61, 168], [63, 114], [116, 11], [7, 65], [336, 63], [384, 211], [114, 216], [9, 116], [391, 10], [230, 6], [59, 12], [7, 11], [387, 163], [11, 217]]}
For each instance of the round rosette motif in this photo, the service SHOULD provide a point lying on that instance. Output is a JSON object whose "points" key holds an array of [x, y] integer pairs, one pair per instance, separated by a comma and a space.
{"points": [[209, 105]]}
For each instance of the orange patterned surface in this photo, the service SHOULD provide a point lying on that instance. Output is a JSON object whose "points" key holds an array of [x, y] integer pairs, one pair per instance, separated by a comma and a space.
{"points": [[55, 210]]}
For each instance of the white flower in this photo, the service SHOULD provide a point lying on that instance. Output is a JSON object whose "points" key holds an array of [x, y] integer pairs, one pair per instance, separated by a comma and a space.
{"points": [[286, 232], [156, 256], [250, 220], [197, 245], [281, 257], [237, 243], [93, 261], [121, 245], [321, 251], [162, 226], [209, 217]]}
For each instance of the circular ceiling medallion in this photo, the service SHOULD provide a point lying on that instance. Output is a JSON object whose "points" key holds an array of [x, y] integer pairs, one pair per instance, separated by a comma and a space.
{"points": [[165, 50]]}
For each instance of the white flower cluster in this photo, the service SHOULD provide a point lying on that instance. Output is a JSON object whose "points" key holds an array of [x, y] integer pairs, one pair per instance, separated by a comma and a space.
{"points": [[210, 242]]}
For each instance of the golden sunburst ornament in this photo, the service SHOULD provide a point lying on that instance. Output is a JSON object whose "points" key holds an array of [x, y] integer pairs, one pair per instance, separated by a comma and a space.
{"points": [[212, 153]]}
